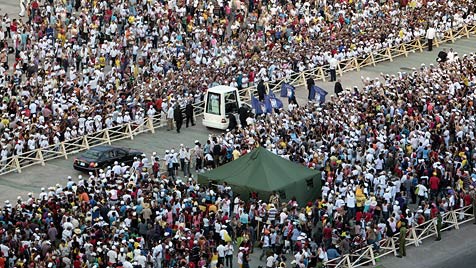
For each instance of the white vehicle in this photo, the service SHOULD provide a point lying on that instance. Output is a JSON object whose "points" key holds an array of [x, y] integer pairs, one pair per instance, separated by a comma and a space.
{"points": [[220, 103]]}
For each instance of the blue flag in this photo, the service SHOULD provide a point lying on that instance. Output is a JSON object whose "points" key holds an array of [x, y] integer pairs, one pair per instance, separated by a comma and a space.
{"points": [[287, 90], [322, 94], [312, 94], [257, 105], [271, 102]]}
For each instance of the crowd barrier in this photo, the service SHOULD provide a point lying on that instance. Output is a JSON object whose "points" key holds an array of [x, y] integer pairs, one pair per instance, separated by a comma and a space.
{"points": [[415, 236], [16, 163]]}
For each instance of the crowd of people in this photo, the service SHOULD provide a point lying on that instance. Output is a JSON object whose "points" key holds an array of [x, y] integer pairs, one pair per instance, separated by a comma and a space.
{"points": [[76, 67], [395, 153]]}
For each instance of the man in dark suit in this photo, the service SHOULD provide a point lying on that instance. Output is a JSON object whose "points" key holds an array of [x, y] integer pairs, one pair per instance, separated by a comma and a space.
{"points": [[178, 117], [261, 90], [243, 114], [189, 114], [310, 83]]}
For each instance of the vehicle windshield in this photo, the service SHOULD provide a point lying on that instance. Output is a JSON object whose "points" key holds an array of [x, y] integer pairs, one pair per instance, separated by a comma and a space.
{"points": [[213, 103], [92, 154]]}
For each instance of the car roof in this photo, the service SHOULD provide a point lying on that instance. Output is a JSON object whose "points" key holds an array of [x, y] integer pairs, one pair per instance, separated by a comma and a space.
{"points": [[221, 89], [104, 148]]}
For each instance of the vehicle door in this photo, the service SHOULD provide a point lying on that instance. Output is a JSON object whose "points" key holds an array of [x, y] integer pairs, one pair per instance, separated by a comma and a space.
{"points": [[122, 156], [108, 158]]}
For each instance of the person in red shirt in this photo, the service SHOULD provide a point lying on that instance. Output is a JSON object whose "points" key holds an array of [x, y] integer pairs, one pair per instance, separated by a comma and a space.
{"points": [[77, 262], [327, 234], [2, 260], [434, 186], [466, 198], [434, 211], [358, 216]]}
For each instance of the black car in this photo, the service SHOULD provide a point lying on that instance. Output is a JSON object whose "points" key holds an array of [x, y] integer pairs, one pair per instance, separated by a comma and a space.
{"points": [[103, 156]]}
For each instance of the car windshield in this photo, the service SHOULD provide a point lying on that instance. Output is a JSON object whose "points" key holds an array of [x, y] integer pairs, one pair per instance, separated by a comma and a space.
{"points": [[92, 154]]}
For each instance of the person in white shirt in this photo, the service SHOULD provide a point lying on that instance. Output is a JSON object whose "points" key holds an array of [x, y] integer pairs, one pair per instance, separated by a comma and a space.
{"points": [[350, 202], [170, 118], [270, 261], [229, 254], [266, 245], [430, 35], [158, 255], [240, 256], [333, 62], [19, 147], [221, 249], [116, 169], [112, 255], [421, 193], [141, 260]]}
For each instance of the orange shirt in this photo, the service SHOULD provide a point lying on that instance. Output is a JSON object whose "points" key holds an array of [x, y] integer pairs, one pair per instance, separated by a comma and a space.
{"points": [[84, 197]]}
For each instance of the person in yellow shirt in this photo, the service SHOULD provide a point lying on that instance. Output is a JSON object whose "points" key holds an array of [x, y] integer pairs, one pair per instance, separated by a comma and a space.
{"points": [[409, 149], [299, 39], [236, 153], [401, 33], [214, 259], [131, 19], [359, 198], [102, 61], [5, 120]]}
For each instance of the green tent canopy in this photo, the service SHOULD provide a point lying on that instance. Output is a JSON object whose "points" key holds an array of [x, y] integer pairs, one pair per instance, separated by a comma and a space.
{"points": [[264, 172]]}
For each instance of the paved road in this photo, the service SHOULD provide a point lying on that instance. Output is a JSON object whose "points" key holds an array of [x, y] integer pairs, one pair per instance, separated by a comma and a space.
{"points": [[456, 250], [11, 7]]}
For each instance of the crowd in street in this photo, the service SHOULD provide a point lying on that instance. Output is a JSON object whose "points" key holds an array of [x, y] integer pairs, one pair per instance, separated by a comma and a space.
{"points": [[75, 67], [393, 154]]}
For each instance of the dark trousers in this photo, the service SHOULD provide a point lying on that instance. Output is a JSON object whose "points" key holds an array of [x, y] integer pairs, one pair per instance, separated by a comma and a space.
{"points": [[182, 164], [221, 260], [198, 164], [189, 120], [229, 261], [333, 75], [430, 44], [171, 172], [178, 124]]}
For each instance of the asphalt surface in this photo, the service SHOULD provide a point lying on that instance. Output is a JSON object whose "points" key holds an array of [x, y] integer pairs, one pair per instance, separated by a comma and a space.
{"points": [[457, 248]]}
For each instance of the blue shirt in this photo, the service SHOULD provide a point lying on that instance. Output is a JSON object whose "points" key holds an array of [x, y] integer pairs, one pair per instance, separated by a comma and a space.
{"points": [[332, 253]]}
